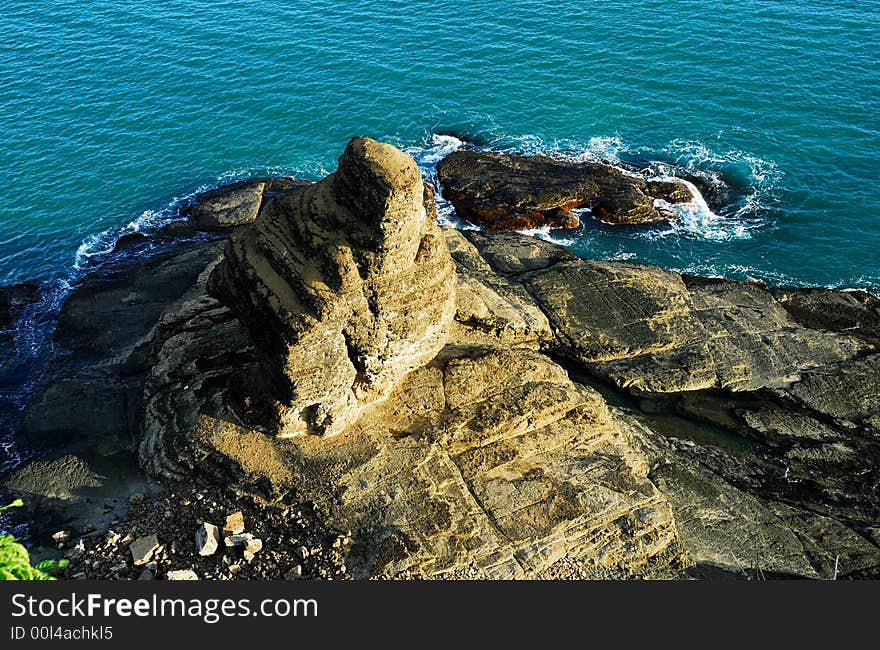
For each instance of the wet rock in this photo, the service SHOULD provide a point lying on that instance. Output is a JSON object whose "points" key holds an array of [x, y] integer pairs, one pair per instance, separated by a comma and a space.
{"points": [[671, 191], [508, 192], [129, 241]]}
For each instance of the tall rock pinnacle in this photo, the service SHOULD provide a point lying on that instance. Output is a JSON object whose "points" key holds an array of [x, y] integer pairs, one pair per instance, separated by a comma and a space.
{"points": [[345, 286]]}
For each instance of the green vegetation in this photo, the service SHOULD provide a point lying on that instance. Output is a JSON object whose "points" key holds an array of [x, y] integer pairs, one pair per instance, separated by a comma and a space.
{"points": [[15, 561]]}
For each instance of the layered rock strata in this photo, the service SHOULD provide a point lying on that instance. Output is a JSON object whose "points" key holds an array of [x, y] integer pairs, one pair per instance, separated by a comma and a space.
{"points": [[345, 287], [499, 407]]}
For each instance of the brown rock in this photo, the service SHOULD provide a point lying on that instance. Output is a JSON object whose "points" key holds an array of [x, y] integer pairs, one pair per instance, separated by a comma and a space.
{"points": [[345, 286], [507, 192], [671, 191], [234, 524]]}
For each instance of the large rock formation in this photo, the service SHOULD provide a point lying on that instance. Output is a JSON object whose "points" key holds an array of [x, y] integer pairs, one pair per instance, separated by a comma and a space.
{"points": [[508, 192], [345, 287], [482, 452], [500, 407], [758, 408]]}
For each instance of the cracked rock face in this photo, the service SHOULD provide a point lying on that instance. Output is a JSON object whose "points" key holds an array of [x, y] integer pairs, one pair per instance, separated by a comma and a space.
{"points": [[481, 454], [489, 458], [344, 286]]}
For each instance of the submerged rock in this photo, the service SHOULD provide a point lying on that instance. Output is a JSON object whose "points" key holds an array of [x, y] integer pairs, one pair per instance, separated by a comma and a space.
{"points": [[14, 298], [508, 192]]}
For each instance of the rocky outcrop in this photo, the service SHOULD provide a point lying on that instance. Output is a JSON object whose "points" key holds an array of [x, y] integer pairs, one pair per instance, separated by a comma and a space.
{"points": [[482, 453], [652, 330], [499, 407], [508, 192], [345, 287], [758, 408], [235, 204]]}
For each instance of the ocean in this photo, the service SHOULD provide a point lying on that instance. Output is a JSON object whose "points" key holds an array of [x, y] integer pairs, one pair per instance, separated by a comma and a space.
{"points": [[113, 111]]}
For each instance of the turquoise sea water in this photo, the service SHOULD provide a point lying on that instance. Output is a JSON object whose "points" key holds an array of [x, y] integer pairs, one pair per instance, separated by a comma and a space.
{"points": [[113, 110]]}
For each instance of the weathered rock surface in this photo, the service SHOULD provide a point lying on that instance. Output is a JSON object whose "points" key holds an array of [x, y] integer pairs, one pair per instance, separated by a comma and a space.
{"points": [[508, 192], [770, 398], [481, 453], [501, 408], [345, 287], [235, 204], [652, 330]]}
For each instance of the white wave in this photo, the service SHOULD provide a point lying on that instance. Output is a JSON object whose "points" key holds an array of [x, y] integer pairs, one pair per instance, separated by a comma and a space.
{"points": [[606, 149], [550, 235], [696, 218], [441, 146], [427, 155], [102, 243]]}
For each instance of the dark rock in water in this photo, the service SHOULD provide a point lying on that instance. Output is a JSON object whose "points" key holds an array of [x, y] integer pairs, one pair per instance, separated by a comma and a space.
{"points": [[129, 241], [507, 192], [234, 204], [670, 191], [177, 229], [14, 298]]}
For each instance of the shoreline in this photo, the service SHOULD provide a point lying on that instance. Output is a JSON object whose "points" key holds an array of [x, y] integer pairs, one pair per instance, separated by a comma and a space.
{"points": [[499, 262]]}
